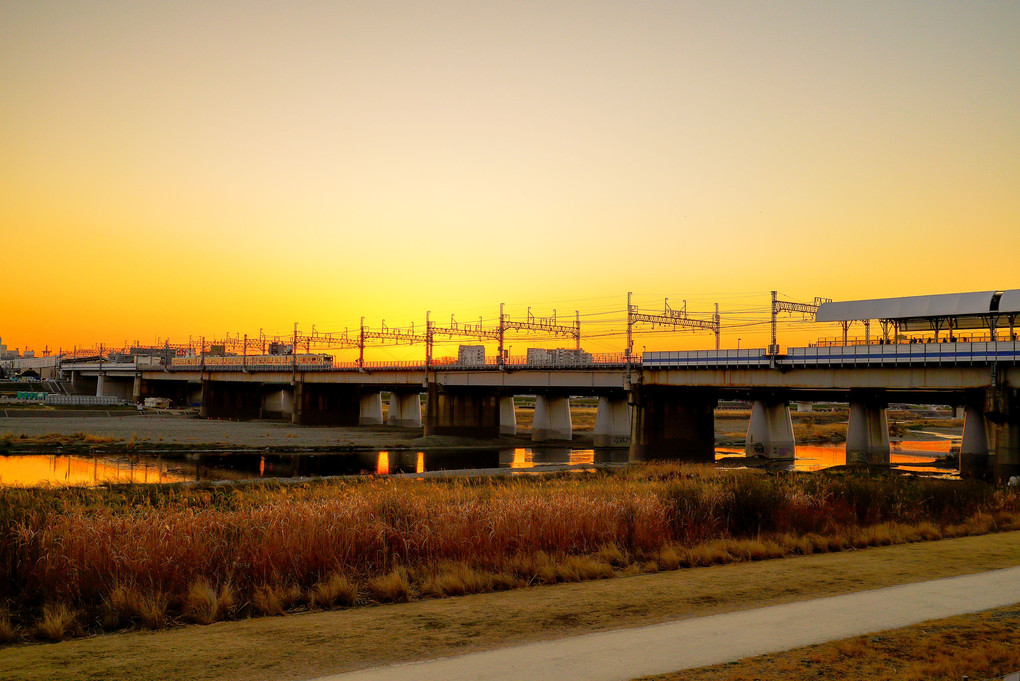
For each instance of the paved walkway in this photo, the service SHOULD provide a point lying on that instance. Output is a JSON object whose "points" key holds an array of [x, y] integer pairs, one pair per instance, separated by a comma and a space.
{"points": [[685, 644]]}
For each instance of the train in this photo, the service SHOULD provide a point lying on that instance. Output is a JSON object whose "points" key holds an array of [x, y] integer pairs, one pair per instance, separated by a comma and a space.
{"points": [[303, 361]]}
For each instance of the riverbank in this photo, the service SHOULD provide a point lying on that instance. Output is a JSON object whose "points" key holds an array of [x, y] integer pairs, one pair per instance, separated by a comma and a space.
{"points": [[310, 644], [155, 432], [84, 560], [158, 432]]}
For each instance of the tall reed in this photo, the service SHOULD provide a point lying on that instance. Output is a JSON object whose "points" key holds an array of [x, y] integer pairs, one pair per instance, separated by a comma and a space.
{"points": [[147, 556]]}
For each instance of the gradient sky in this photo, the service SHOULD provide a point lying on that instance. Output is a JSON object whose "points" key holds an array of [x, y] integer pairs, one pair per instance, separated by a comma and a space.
{"points": [[197, 168]]}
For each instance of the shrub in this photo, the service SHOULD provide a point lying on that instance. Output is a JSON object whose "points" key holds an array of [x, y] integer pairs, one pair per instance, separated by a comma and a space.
{"points": [[393, 587], [8, 632], [266, 601], [752, 505], [122, 606], [152, 611], [334, 589], [57, 622], [202, 605], [457, 580]]}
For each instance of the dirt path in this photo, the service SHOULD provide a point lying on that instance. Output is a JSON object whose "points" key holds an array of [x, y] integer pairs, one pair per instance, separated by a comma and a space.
{"points": [[699, 642]]}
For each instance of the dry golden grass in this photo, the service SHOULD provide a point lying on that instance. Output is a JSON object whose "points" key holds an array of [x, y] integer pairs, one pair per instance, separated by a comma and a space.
{"points": [[335, 589], [271, 548], [319, 643], [226, 600], [123, 605], [57, 439], [980, 646], [275, 599], [266, 601], [458, 579], [57, 622], [393, 587], [202, 604], [809, 432], [152, 610], [8, 632]]}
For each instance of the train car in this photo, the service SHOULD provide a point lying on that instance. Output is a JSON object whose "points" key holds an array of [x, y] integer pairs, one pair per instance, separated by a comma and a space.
{"points": [[266, 362]]}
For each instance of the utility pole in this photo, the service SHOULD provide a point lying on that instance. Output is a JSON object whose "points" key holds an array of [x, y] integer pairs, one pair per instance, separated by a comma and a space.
{"points": [[501, 359], [630, 334], [786, 306], [718, 327], [630, 328], [361, 345], [428, 342], [773, 346]]}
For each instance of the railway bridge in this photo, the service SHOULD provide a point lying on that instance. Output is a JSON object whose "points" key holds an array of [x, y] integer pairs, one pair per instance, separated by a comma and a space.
{"points": [[661, 404]]}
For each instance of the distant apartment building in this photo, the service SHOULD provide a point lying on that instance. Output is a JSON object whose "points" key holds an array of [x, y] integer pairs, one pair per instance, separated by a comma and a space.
{"points": [[5, 353], [471, 355], [45, 367], [559, 356]]}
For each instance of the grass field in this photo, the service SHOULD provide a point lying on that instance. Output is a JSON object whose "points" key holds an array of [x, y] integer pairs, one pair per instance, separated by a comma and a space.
{"points": [[76, 560], [306, 644]]}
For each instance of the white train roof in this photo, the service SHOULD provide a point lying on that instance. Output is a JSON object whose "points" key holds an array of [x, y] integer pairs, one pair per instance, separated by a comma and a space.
{"points": [[977, 304]]}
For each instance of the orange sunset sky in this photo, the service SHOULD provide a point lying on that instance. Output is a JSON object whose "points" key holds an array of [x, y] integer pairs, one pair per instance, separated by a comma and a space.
{"points": [[197, 168]]}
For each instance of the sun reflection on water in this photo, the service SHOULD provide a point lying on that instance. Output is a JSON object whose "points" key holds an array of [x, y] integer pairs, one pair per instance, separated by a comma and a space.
{"points": [[43, 469]]}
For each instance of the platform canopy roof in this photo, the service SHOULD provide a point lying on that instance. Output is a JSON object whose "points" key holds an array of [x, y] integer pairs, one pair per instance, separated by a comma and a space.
{"points": [[982, 309]]}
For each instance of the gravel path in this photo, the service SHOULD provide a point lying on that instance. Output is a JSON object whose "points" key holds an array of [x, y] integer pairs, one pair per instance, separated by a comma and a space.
{"points": [[191, 431]]}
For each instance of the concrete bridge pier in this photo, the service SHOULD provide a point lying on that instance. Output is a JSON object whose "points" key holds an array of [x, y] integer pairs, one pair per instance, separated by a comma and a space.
{"points": [[867, 433], [1002, 410], [612, 422], [322, 404], [975, 458], [673, 423], [193, 393], [370, 409], [224, 400], [507, 416], [552, 419], [405, 410], [465, 412], [136, 389], [770, 431], [278, 403], [110, 386]]}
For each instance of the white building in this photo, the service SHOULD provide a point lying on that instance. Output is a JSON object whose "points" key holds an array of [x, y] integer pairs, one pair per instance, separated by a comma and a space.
{"points": [[5, 353], [46, 367], [558, 357], [471, 355]]}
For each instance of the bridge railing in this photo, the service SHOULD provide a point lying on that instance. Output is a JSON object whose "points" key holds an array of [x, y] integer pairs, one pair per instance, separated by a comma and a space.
{"points": [[753, 358], [598, 360], [602, 360], [903, 354], [956, 337], [911, 354]]}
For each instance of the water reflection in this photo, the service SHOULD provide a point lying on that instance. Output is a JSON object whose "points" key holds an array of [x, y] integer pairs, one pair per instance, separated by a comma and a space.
{"points": [[913, 456], [37, 470]]}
